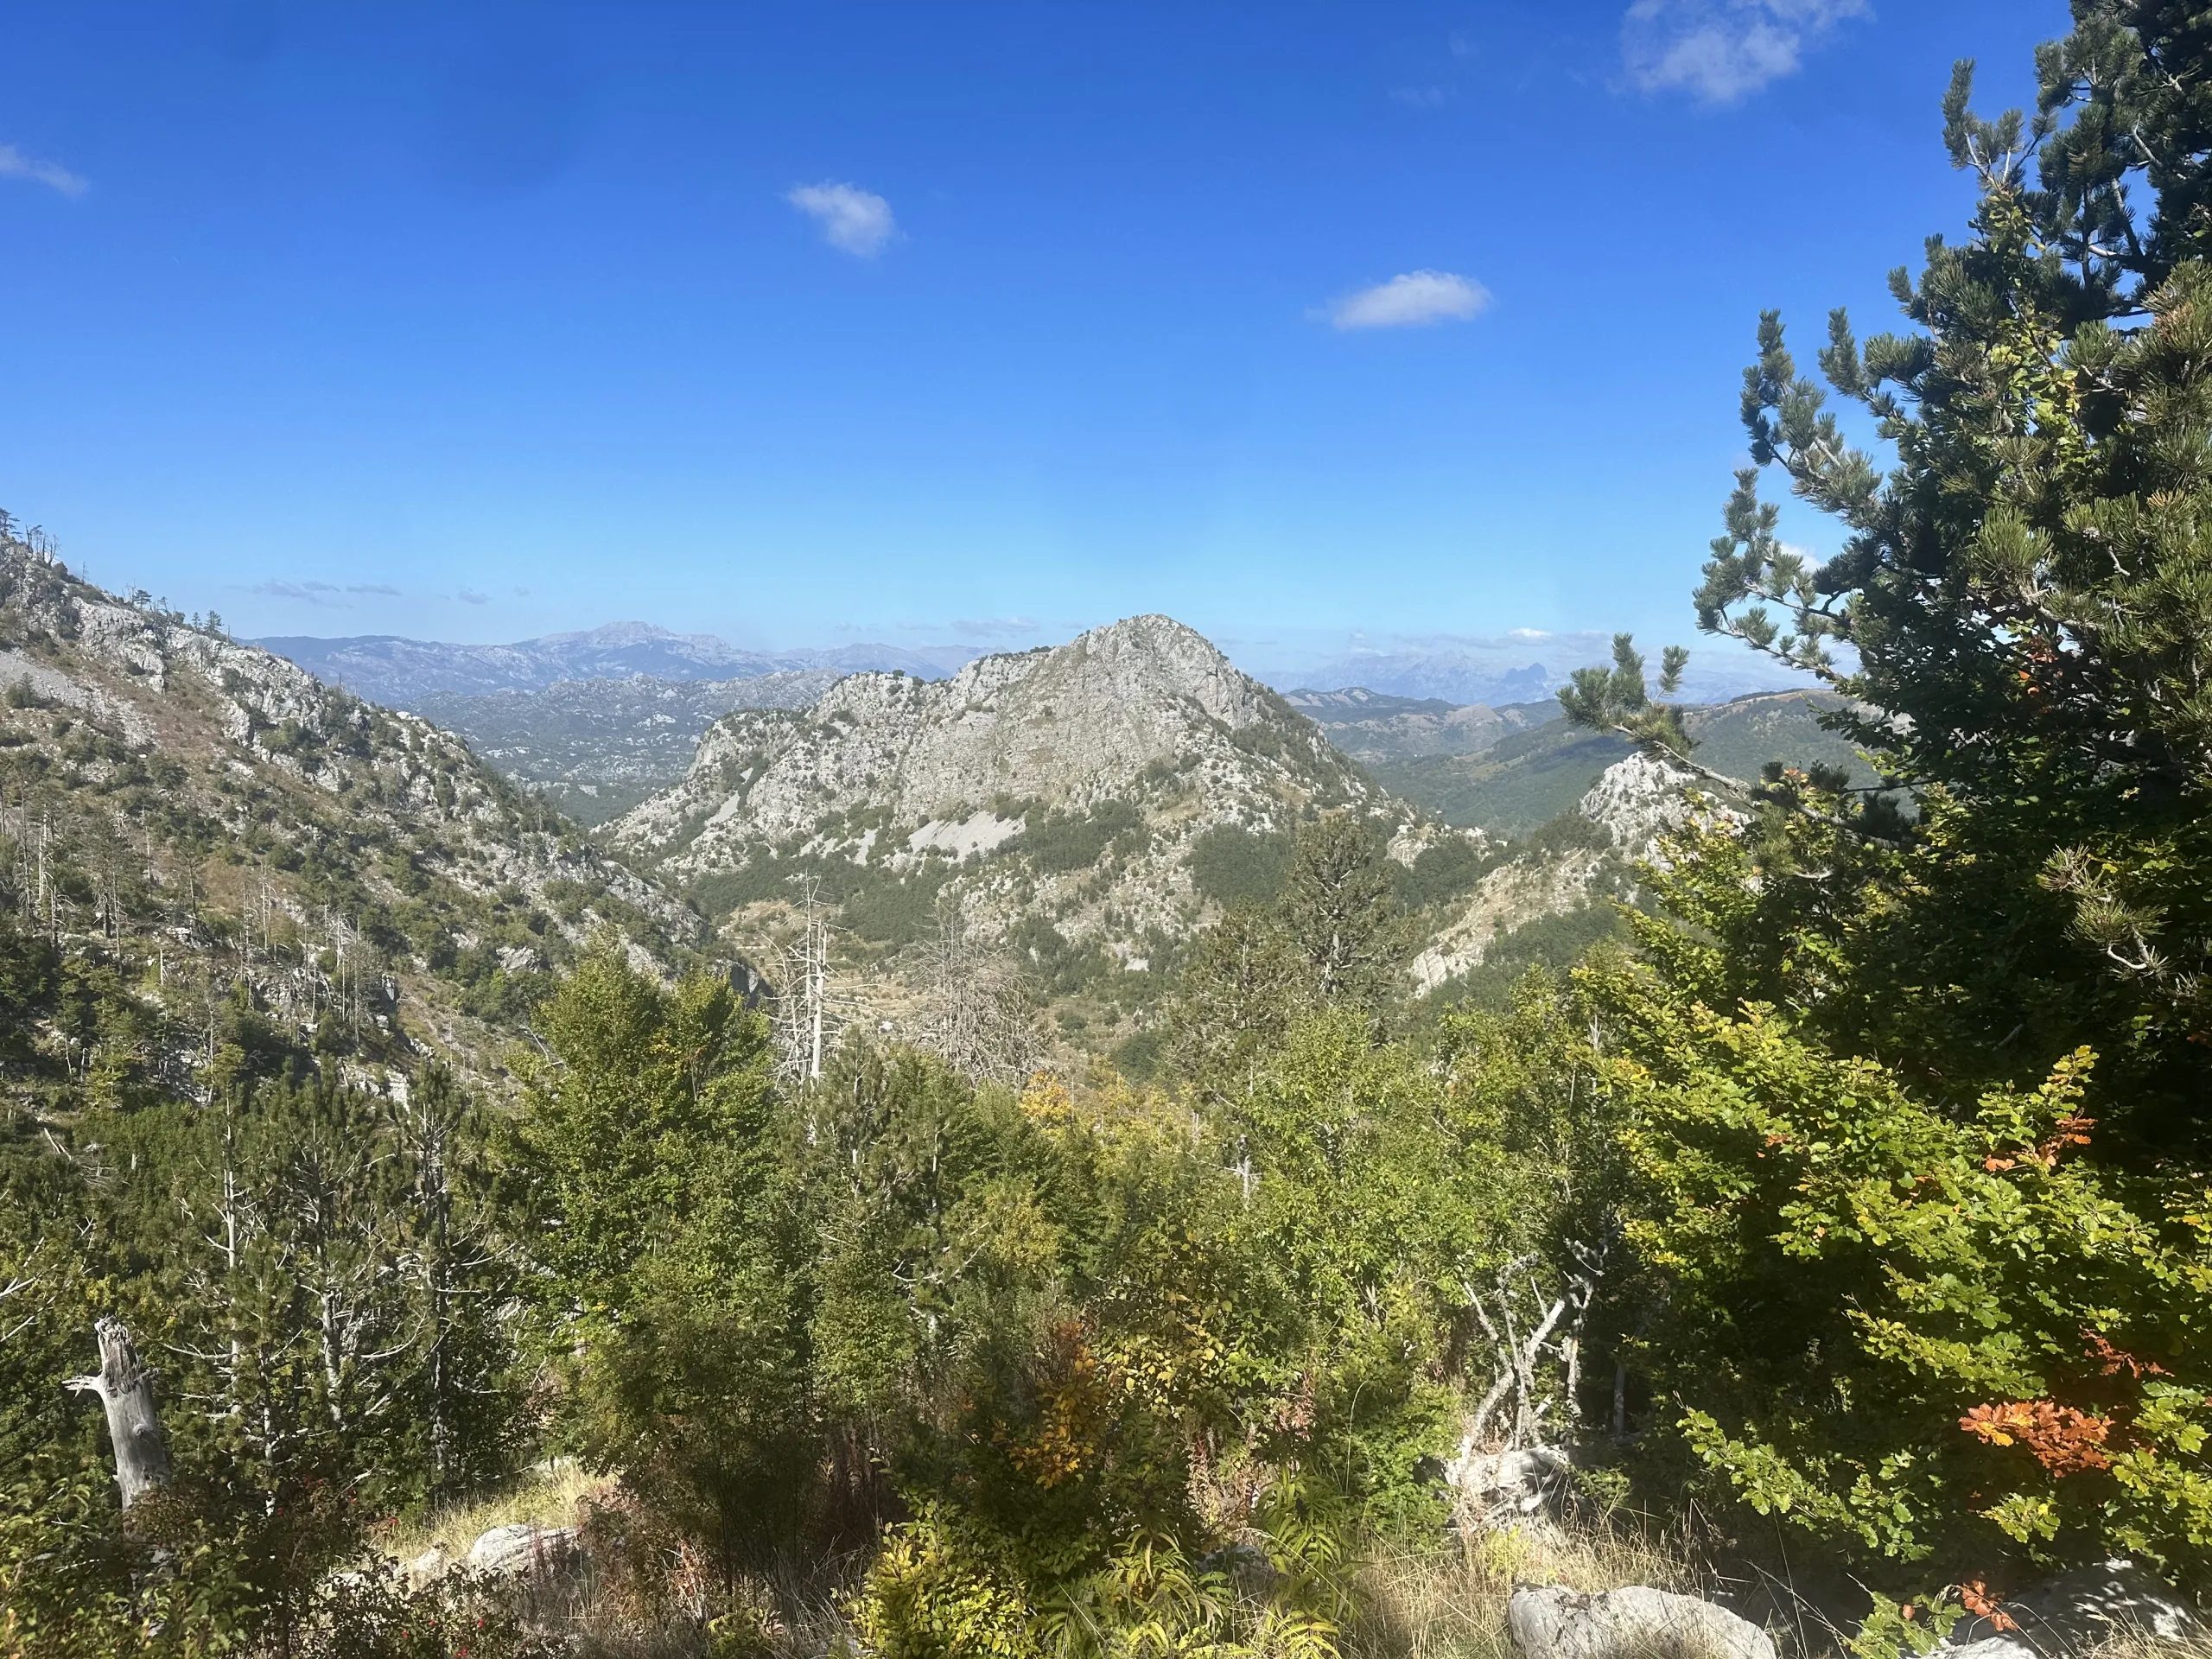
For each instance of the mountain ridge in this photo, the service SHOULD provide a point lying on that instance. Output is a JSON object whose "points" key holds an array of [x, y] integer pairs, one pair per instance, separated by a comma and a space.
{"points": [[400, 672], [233, 819]]}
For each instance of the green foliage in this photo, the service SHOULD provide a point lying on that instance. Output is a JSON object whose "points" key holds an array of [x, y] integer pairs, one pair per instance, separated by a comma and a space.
{"points": [[1334, 937], [1914, 1102], [1058, 842], [1441, 874], [1972, 1338], [1232, 865], [668, 1302], [1552, 944]]}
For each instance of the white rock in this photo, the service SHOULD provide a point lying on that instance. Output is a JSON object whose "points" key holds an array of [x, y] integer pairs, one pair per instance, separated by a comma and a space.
{"points": [[1497, 1489], [2078, 1610], [521, 1548], [1638, 800], [429, 1566], [1550, 1622]]}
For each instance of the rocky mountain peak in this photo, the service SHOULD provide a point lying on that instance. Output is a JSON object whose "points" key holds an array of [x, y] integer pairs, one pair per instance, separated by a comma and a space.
{"points": [[1641, 800], [1139, 736]]}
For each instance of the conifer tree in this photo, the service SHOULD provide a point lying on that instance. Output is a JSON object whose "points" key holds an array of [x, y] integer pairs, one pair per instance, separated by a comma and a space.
{"points": [[1914, 1097], [2019, 611]]}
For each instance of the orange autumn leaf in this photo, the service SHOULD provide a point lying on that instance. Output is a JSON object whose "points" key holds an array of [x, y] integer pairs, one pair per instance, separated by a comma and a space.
{"points": [[1975, 1595], [2113, 1360], [2064, 1441]]}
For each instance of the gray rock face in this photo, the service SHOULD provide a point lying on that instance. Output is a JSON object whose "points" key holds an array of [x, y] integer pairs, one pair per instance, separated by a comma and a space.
{"points": [[1549, 1621], [887, 771], [522, 1548], [2078, 1612], [1641, 800], [262, 755]]}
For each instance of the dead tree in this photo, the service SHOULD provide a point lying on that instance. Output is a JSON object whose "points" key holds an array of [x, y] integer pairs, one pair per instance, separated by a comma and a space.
{"points": [[1536, 1336], [976, 1013], [804, 1023], [126, 1388]]}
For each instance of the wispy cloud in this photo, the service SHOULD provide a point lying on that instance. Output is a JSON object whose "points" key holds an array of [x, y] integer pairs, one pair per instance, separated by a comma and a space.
{"points": [[1431, 97], [470, 596], [1719, 51], [1412, 301], [858, 221], [336, 593], [13, 164], [995, 628]]}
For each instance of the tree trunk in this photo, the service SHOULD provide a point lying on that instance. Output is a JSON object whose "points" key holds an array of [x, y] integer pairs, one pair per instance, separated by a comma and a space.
{"points": [[126, 1390]]}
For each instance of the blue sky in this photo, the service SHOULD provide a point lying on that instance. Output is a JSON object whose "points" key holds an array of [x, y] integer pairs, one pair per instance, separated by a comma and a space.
{"points": [[800, 323]]}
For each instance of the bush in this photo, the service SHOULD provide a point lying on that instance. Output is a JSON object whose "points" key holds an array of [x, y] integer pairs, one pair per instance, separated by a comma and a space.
{"points": [[1230, 865], [1056, 843]]}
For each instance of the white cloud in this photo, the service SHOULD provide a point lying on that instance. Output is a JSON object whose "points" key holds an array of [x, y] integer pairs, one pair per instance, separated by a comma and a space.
{"points": [[339, 593], [995, 628], [1719, 51], [13, 164], [1412, 300], [1528, 634], [859, 221]]}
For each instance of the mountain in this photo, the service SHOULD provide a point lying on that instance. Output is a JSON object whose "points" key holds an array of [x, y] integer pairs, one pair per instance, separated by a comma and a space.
{"points": [[402, 673], [1082, 808], [1526, 666], [1549, 897], [596, 748], [203, 823], [1371, 726], [904, 774], [1531, 775], [1441, 675]]}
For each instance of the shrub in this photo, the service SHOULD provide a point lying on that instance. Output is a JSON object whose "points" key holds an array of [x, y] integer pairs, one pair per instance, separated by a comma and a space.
{"points": [[1231, 865]]}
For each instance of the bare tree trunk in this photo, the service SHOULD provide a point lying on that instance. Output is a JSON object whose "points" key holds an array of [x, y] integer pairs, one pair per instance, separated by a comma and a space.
{"points": [[126, 1390]]}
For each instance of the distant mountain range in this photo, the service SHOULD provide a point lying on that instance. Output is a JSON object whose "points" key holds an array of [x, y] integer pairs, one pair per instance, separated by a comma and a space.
{"points": [[1517, 669], [405, 673], [596, 748]]}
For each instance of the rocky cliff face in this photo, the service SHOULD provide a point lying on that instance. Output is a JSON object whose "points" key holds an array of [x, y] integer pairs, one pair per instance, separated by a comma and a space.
{"points": [[263, 806], [1636, 802], [596, 748], [1069, 783], [1641, 799]]}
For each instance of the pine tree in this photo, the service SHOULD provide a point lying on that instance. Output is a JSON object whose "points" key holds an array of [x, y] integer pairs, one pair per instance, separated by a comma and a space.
{"points": [[2021, 612], [1914, 1085]]}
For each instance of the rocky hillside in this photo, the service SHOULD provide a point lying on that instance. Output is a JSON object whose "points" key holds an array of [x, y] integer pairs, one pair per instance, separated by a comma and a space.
{"points": [[209, 818], [1550, 893], [1372, 726], [1529, 775], [1062, 800], [596, 748], [405, 673]]}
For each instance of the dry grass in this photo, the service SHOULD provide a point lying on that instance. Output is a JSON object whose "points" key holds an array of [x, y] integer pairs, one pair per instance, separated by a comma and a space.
{"points": [[1449, 1602], [552, 1494]]}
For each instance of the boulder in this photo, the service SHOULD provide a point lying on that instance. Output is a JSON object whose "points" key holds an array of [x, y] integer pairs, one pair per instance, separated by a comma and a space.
{"points": [[1550, 1622], [2077, 1611], [428, 1568], [521, 1548]]}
